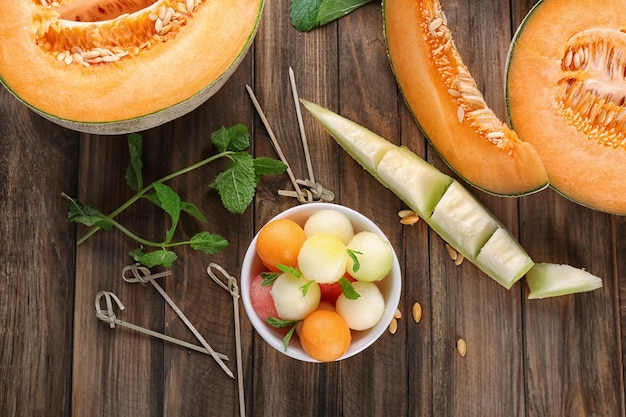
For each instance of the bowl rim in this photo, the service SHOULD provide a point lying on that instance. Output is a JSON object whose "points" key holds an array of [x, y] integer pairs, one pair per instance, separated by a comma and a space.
{"points": [[391, 288]]}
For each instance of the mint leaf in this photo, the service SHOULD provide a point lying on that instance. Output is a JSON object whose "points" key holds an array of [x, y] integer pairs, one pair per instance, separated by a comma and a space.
{"points": [[303, 14], [193, 210], [289, 269], [171, 204], [220, 139], [305, 288], [353, 255], [268, 166], [235, 138], [309, 14], [348, 289], [89, 216], [239, 138], [208, 243], [334, 9], [236, 185], [269, 278], [278, 323], [187, 207], [160, 257], [133, 171]]}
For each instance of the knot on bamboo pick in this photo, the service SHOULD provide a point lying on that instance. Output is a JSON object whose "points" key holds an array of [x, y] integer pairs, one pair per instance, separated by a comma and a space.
{"points": [[107, 315], [141, 274], [231, 282]]}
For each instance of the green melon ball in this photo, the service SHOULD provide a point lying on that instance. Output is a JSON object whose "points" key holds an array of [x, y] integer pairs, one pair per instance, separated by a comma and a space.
{"points": [[374, 255], [364, 312], [290, 298], [323, 258], [331, 222]]}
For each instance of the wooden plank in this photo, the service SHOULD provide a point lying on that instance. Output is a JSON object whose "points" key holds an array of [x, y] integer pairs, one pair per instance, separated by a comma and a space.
{"points": [[195, 384], [37, 164], [465, 304], [116, 370], [281, 385], [365, 84]]}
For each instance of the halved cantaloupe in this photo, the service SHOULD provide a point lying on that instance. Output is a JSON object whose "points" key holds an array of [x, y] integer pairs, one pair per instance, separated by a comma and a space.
{"points": [[566, 95], [449, 108], [118, 66], [452, 211]]}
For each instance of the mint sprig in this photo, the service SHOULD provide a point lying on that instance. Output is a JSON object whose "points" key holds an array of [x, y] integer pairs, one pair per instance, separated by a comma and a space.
{"points": [[308, 14], [279, 323], [236, 186]]}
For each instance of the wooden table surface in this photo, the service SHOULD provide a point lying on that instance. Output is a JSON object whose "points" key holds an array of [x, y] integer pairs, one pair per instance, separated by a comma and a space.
{"points": [[553, 357]]}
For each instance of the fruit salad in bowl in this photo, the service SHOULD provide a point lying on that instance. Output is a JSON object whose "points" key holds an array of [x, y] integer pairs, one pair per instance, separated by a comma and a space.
{"points": [[320, 282]]}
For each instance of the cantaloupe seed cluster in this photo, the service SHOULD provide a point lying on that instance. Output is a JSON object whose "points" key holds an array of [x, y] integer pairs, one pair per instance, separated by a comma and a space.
{"points": [[83, 35]]}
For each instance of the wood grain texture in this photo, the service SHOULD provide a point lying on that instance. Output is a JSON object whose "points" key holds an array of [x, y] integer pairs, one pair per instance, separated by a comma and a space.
{"points": [[560, 357]]}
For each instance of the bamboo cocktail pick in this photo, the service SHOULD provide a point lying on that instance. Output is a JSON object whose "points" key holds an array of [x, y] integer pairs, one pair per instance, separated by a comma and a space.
{"points": [[108, 315], [142, 274]]}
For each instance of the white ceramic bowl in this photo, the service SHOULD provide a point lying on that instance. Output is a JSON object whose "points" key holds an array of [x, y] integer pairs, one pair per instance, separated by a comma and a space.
{"points": [[390, 286]]}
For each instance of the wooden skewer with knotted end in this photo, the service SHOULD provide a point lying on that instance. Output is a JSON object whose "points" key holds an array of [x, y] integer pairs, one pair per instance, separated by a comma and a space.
{"points": [[142, 274], [108, 315]]}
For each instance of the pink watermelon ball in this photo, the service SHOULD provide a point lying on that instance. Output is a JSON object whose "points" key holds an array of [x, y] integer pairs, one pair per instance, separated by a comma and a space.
{"points": [[261, 299]]}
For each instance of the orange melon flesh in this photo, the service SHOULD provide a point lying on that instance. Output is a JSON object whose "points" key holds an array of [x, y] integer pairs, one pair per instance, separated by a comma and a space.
{"points": [[436, 84], [573, 114], [150, 86]]}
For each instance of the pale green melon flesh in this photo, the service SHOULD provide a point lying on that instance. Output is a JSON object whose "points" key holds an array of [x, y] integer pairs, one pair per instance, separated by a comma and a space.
{"points": [[462, 221], [503, 259], [419, 184], [457, 216], [551, 280], [366, 147]]}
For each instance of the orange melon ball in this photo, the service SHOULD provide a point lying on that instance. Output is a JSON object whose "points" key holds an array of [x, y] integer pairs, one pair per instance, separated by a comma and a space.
{"points": [[325, 335], [279, 242]]}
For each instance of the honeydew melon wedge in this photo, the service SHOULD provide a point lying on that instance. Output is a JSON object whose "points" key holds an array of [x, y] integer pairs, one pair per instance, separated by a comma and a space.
{"points": [[448, 208], [551, 280], [503, 259], [418, 183], [452, 211], [463, 221]]}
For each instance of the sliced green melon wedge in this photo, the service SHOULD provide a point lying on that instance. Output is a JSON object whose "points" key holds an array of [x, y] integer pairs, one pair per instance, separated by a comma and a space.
{"points": [[448, 208], [503, 258], [551, 280], [419, 184], [462, 221], [451, 210]]}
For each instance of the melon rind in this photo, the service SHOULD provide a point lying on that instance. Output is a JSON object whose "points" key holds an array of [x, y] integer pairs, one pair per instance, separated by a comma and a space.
{"points": [[551, 280]]}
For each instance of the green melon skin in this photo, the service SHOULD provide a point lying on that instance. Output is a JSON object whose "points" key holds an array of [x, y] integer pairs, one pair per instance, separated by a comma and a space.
{"points": [[552, 280], [448, 208]]}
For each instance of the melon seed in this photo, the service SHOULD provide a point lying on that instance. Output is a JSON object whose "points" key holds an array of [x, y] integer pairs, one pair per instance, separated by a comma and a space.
{"points": [[461, 347], [109, 30], [591, 95], [393, 326], [417, 312]]}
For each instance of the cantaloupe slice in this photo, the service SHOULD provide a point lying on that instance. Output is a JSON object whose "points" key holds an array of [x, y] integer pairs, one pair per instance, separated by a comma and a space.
{"points": [[566, 96], [119, 66], [448, 105]]}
